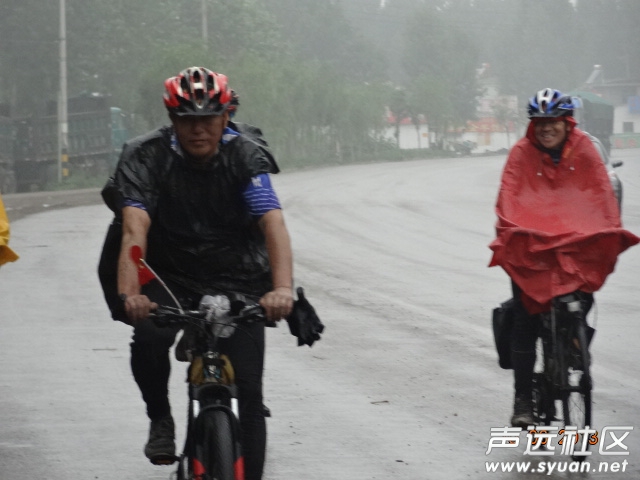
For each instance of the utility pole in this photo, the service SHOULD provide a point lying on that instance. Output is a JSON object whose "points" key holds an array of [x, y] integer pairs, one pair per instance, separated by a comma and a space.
{"points": [[63, 126], [205, 25]]}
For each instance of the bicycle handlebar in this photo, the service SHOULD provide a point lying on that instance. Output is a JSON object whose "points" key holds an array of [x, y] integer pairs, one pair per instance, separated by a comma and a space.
{"points": [[166, 316]]}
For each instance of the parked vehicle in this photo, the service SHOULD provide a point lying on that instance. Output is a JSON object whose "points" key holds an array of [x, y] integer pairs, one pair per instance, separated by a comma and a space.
{"points": [[464, 147], [616, 183], [29, 151], [594, 115]]}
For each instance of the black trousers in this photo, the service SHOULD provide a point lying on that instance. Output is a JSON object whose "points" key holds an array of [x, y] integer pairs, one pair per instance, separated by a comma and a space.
{"points": [[526, 328], [151, 367]]}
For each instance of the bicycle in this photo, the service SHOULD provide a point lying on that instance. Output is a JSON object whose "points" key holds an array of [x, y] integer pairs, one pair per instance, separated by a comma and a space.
{"points": [[562, 378], [212, 449]]}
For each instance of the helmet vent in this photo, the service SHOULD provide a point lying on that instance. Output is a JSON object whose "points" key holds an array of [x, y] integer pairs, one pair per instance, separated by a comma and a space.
{"points": [[184, 84], [211, 83], [197, 91]]}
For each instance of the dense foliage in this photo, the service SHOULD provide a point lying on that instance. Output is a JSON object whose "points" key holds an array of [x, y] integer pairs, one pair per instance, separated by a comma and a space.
{"points": [[316, 75]]}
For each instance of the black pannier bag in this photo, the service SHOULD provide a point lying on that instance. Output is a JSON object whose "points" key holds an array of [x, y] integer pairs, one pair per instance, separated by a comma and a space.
{"points": [[502, 325], [108, 270]]}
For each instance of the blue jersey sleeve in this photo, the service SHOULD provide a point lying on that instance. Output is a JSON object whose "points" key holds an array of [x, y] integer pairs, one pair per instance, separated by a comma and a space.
{"points": [[260, 196], [134, 203]]}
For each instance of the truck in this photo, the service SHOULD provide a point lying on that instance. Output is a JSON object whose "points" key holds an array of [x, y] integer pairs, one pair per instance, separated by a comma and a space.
{"points": [[594, 115], [29, 150]]}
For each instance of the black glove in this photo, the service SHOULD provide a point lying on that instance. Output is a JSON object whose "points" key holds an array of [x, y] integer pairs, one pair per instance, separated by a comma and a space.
{"points": [[303, 321]]}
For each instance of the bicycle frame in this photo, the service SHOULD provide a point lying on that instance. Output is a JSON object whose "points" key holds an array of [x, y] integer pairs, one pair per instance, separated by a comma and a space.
{"points": [[212, 446], [209, 389], [565, 374]]}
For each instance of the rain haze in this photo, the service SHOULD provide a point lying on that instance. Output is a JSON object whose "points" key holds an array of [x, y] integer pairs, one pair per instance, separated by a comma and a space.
{"points": [[390, 121]]}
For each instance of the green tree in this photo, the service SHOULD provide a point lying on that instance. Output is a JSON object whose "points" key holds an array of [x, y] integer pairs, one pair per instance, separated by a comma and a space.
{"points": [[436, 50], [360, 120], [319, 30], [430, 96], [547, 29], [110, 43], [505, 116], [28, 76], [400, 109], [308, 112], [607, 31]]}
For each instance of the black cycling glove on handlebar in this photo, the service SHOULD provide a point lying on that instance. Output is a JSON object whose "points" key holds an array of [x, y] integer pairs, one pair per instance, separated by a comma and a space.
{"points": [[303, 321]]}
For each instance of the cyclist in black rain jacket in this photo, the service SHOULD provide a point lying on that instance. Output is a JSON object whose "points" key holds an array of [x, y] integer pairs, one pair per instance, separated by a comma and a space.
{"points": [[196, 197]]}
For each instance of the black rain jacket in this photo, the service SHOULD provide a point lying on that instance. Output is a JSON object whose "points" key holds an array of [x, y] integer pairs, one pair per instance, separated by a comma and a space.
{"points": [[202, 235]]}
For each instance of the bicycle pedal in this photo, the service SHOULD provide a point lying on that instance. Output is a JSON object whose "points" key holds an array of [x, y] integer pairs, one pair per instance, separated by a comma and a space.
{"points": [[164, 460]]}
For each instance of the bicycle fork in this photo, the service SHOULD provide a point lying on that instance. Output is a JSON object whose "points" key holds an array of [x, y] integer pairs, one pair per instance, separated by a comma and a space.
{"points": [[204, 399]]}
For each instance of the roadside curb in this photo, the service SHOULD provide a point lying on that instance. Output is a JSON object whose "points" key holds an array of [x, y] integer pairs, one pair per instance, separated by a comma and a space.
{"points": [[19, 205]]}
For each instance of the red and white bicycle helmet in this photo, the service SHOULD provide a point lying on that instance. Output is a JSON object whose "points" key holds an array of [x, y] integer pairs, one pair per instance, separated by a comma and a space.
{"points": [[197, 91]]}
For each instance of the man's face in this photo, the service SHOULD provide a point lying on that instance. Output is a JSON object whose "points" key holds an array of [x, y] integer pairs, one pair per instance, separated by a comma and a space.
{"points": [[551, 132], [199, 136]]}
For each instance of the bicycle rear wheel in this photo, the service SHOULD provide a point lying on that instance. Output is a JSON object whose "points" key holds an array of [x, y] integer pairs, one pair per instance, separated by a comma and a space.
{"points": [[215, 458], [576, 399]]}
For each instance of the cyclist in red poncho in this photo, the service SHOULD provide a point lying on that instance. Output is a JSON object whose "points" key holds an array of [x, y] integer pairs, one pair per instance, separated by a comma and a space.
{"points": [[558, 230]]}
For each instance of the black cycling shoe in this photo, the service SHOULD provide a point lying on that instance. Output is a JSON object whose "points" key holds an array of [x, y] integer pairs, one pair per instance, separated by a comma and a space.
{"points": [[161, 447]]}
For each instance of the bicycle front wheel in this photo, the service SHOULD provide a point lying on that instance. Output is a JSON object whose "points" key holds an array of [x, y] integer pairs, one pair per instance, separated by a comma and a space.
{"points": [[542, 389], [215, 458], [576, 398]]}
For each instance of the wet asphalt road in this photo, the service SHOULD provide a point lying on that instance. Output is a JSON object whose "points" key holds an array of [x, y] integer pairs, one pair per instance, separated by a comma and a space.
{"points": [[405, 382]]}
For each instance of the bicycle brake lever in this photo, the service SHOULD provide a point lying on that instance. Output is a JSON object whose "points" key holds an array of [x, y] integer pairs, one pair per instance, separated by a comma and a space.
{"points": [[158, 320]]}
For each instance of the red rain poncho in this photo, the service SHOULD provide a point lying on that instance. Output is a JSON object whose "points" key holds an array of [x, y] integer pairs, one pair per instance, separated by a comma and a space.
{"points": [[559, 227]]}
